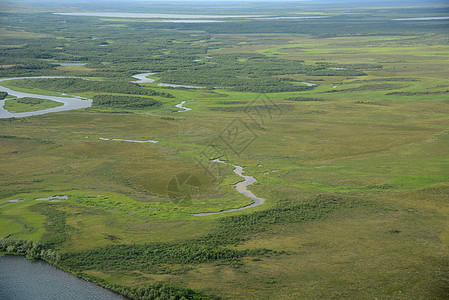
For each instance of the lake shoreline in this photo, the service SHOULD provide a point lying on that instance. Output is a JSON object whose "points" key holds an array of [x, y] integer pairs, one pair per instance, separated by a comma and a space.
{"points": [[66, 271]]}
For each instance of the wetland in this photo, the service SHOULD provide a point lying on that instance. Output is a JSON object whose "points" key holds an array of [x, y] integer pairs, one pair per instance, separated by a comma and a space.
{"points": [[312, 159]]}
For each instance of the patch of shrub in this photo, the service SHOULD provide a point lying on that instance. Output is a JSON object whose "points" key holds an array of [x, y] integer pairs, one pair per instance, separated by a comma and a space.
{"points": [[29, 100], [304, 99], [128, 102], [208, 248]]}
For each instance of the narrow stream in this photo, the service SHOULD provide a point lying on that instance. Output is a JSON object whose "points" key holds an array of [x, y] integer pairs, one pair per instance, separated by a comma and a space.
{"points": [[181, 106], [242, 188], [144, 79], [308, 83], [131, 141]]}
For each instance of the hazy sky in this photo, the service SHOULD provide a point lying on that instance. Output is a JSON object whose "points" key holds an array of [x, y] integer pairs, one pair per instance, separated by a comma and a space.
{"points": [[233, 0], [362, 2]]}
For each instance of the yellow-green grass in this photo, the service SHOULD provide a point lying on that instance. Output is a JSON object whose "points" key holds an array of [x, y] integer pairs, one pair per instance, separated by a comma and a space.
{"points": [[14, 34], [14, 106], [144, 169], [35, 91], [101, 218], [389, 152], [20, 221], [358, 253], [75, 68]]}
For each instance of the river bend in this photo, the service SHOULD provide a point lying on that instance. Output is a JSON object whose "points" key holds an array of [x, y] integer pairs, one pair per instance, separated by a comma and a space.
{"points": [[70, 103]]}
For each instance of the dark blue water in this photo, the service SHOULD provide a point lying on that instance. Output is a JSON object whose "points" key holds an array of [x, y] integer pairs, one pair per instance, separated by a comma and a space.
{"points": [[21, 279]]}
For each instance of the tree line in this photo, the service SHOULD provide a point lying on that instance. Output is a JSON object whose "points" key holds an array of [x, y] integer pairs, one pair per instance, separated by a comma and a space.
{"points": [[32, 250]]}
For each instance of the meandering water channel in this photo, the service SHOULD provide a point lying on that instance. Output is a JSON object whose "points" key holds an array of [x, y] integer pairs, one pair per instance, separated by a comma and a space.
{"points": [[181, 106], [79, 102], [144, 79], [242, 188], [23, 279], [131, 141], [70, 103]]}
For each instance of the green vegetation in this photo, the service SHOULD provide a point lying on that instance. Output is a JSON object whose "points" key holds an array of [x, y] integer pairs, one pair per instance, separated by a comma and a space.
{"points": [[446, 92], [354, 169], [56, 230], [28, 100], [29, 104], [128, 102], [35, 251], [231, 230], [3, 95], [267, 108], [77, 85], [32, 250], [253, 74], [161, 291], [304, 99]]}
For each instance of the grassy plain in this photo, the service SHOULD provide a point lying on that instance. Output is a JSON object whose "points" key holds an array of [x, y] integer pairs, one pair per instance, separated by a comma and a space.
{"points": [[380, 140], [17, 105]]}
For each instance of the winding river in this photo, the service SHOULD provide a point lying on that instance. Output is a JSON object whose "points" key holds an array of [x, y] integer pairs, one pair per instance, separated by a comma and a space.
{"points": [[79, 102], [70, 103], [144, 79], [242, 188]]}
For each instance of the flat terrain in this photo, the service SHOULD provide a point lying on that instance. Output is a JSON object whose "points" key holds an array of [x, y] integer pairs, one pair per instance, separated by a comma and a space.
{"points": [[30, 104], [354, 168]]}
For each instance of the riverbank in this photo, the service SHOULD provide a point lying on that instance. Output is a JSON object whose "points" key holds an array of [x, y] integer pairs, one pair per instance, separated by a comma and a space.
{"points": [[241, 187], [69, 103], [21, 279], [26, 279], [144, 79], [181, 106]]}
